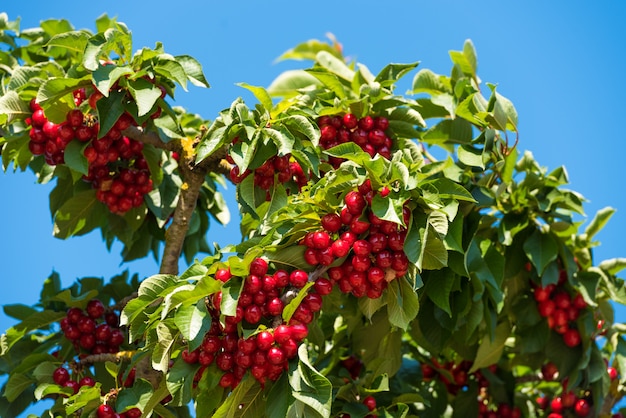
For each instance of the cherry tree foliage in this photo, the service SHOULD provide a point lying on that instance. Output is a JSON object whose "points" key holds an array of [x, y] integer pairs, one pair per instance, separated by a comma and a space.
{"points": [[400, 257]]}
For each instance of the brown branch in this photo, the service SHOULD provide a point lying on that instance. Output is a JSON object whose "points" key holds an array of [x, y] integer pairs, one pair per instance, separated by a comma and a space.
{"points": [[112, 357], [138, 134], [122, 303], [610, 400]]}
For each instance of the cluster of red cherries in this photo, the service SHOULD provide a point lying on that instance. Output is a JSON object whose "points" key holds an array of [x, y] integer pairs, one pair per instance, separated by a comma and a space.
{"points": [[93, 330], [560, 309], [367, 132], [117, 168], [461, 376], [567, 402], [282, 169], [374, 248], [261, 302]]}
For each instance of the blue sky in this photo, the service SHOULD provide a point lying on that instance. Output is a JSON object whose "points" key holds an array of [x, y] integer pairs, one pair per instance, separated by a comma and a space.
{"points": [[561, 63]]}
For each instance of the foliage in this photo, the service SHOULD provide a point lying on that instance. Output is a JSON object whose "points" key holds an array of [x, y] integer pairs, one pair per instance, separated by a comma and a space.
{"points": [[399, 257]]}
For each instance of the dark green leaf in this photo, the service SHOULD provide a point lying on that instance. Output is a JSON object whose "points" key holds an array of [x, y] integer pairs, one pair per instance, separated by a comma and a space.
{"points": [[402, 303]]}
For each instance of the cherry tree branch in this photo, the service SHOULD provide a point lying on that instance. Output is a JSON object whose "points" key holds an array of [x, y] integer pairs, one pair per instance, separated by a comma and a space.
{"points": [[112, 357]]}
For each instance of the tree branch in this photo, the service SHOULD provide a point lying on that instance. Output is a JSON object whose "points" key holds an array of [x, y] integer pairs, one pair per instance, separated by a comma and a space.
{"points": [[138, 134], [112, 357]]}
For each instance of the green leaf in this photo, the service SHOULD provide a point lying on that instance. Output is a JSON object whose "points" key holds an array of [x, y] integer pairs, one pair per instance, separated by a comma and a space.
{"points": [[78, 215], [166, 338], [599, 221], [74, 157], [466, 59], [334, 65], [446, 188], [193, 70], [434, 253], [18, 311], [613, 265], [230, 296], [109, 111], [13, 107], [490, 351], [311, 387], [305, 126], [426, 81], [541, 249], [289, 82], [106, 76], [247, 390], [17, 384], [457, 131], [145, 94], [153, 287], [137, 396], [193, 321], [438, 287], [470, 156], [279, 398], [261, 95], [167, 66], [402, 303], [394, 72], [73, 41]]}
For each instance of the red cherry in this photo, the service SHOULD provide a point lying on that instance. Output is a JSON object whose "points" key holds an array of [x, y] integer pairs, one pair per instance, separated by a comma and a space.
{"points": [[105, 411], [211, 344], [60, 376], [549, 371], [323, 286], [227, 380], [612, 371], [355, 202], [340, 248], [190, 357], [542, 294], [205, 358], [320, 240], [258, 267], [350, 121], [95, 308], [225, 360], [282, 333], [275, 355], [223, 275], [366, 123], [562, 300], [546, 308], [369, 402], [298, 278], [133, 413], [264, 340], [275, 307], [87, 381], [571, 337], [579, 301], [582, 408]]}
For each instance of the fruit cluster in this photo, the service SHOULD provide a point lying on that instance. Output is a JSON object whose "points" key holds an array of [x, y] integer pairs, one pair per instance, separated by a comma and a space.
{"points": [[367, 132], [374, 247], [560, 309], [117, 167], [559, 406], [107, 411], [94, 330], [61, 376], [261, 302], [281, 169], [567, 401], [461, 378]]}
